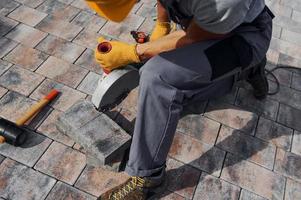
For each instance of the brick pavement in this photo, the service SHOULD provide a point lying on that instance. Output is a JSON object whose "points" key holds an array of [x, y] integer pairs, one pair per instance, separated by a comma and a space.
{"points": [[239, 149]]}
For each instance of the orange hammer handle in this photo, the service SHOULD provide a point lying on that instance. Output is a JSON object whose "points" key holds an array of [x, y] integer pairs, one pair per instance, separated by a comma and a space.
{"points": [[36, 108]]}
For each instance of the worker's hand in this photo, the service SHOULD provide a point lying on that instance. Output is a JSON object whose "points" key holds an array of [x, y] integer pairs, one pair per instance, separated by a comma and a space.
{"points": [[119, 55], [161, 29]]}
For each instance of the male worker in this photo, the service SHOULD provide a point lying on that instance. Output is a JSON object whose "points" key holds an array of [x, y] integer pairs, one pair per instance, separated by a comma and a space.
{"points": [[196, 63]]}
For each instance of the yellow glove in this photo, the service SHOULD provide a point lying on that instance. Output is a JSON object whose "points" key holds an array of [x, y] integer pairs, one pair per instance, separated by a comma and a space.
{"points": [[115, 54], [161, 29]]}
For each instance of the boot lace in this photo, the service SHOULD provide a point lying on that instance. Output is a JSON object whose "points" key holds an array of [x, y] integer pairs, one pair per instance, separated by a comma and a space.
{"points": [[129, 187]]}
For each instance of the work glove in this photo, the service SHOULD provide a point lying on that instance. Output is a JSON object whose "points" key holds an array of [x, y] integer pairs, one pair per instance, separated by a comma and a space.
{"points": [[161, 29], [117, 55]]}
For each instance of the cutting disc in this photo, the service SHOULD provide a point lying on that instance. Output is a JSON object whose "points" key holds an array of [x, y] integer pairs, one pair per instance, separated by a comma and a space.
{"points": [[115, 87]]}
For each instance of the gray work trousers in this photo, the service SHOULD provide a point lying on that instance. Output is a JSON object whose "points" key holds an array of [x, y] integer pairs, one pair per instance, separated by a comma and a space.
{"points": [[168, 82]]}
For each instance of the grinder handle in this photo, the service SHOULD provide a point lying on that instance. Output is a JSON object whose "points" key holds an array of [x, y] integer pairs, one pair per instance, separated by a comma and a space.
{"points": [[36, 108]]}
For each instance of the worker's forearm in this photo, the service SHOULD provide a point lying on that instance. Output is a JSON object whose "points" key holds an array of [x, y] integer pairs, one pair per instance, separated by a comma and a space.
{"points": [[169, 42]]}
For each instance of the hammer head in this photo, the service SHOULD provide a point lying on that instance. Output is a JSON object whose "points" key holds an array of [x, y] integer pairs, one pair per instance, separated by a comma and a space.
{"points": [[13, 134]]}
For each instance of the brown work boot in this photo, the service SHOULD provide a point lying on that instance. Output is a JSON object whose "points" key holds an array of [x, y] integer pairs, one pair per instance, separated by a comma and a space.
{"points": [[136, 188]]}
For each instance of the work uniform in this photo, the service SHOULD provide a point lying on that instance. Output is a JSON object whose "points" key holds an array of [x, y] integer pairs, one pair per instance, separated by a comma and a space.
{"points": [[194, 73]]}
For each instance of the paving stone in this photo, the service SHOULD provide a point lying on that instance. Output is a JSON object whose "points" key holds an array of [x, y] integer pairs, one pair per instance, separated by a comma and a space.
{"points": [[246, 195], [210, 187], [27, 58], [6, 45], [97, 181], [6, 6], [170, 196], [60, 48], [31, 3], [287, 60], [134, 21], [232, 116], [21, 182], [272, 56], [26, 35], [61, 162], [287, 23], [293, 190], [67, 98], [274, 133], [266, 107], [20, 80], [276, 31], [296, 82], [245, 174], [59, 28], [246, 146], [58, 9], [200, 155], [89, 84], [64, 191], [147, 26], [291, 36], [2, 91], [63, 72], [4, 65], [113, 29], [81, 5], [182, 179], [296, 16], [48, 128], [98, 134], [296, 146], [87, 39], [286, 47], [289, 116], [87, 61], [199, 127], [281, 10], [29, 152], [283, 76], [292, 3], [288, 164], [13, 105], [79, 148], [147, 10], [1, 158], [27, 15], [6, 24], [88, 20]]}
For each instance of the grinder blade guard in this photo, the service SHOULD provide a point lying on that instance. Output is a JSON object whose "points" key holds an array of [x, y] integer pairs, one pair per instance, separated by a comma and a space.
{"points": [[114, 87], [13, 135]]}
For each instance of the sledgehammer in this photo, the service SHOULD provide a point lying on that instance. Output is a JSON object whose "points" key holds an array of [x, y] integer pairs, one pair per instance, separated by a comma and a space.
{"points": [[13, 133]]}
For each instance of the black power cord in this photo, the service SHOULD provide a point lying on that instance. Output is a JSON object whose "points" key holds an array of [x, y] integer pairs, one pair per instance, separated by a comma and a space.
{"points": [[270, 72]]}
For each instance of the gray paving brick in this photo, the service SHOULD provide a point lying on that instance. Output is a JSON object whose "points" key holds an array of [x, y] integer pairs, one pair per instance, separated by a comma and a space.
{"points": [[283, 76], [6, 45], [4, 65], [293, 190], [287, 60], [6, 6], [266, 107], [6, 24], [296, 16], [296, 146], [26, 57], [28, 153], [26, 35], [288, 164], [211, 187], [232, 116], [1, 158], [289, 117], [48, 128], [62, 162], [251, 148], [247, 195], [2, 92], [81, 5], [296, 82], [181, 178], [21, 182], [88, 20], [87, 60], [274, 133], [59, 28], [60, 48], [20, 80], [64, 191], [62, 71], [13, 105], [67, 98], [276, 31], [288, 23], [31, 3], [245, 174], [199, 127], [97, 133], [200, 155], [286, 47], [291, 36], [281, 10], [87, 39], [289, 97], [27, 15], [89, 84], [292, 3]]}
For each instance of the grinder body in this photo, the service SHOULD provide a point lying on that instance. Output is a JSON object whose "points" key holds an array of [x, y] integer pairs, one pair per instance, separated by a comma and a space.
{"points": [[13, 134]]}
